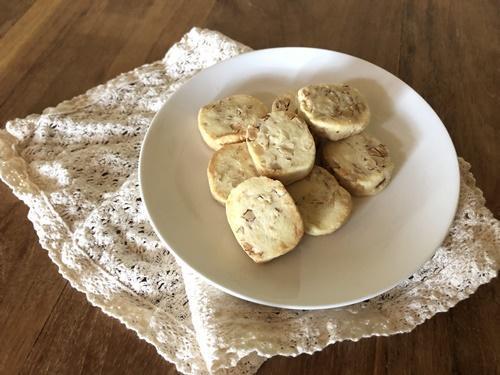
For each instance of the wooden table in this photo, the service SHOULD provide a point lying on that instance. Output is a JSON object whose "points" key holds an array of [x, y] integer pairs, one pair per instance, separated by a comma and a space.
{"points": [[51, 50]]}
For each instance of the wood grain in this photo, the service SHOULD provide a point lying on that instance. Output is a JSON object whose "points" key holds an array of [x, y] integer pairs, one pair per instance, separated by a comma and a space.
{"points": [[30, 284], [10, 13], [51, 50], [78, 338]]}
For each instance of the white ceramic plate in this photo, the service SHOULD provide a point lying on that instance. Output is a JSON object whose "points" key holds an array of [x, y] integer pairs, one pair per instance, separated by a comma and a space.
{"points": [[387, 238]]}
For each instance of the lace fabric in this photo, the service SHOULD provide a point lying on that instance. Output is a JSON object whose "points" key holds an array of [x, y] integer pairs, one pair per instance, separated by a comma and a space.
{"points": [[75, 166]]}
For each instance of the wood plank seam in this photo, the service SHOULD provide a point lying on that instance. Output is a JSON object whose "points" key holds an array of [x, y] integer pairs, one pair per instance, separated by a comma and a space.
{"points": [[49, 315]]}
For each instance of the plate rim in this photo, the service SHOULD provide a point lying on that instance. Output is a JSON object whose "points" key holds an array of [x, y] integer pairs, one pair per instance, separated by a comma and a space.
{"points": [[265, 302]]}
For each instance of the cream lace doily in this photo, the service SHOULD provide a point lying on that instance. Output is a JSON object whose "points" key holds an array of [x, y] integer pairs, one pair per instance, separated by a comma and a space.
{"points": [[75, 166]]}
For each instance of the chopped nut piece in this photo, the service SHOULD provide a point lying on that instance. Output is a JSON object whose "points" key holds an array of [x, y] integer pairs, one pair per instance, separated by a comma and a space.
{"points": [[251, 133], [380, 151], [249, 216]]}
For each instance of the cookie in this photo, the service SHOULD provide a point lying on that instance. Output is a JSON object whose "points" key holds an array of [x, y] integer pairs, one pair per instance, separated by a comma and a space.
{"points": [[264, 218], [333, 111], [281, 147], [360, 163], [227, 168], [225, 121], [287, 103], [323, 204]]}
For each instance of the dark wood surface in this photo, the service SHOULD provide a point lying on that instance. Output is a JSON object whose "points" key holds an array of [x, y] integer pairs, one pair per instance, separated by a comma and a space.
{"points": [[51, 50]]}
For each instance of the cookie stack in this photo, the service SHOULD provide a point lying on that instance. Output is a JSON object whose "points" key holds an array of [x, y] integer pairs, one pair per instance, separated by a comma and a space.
{"points": [[267, 173]]}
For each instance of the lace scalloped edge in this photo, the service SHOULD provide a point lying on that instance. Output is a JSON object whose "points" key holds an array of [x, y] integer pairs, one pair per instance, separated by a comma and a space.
{"points": [[37, 199]]}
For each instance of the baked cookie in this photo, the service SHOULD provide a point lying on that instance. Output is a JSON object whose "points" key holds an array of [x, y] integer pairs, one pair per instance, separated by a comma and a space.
{"points": [[264, 218], [286, 102], [361, 163], [227, 168], [323, 204], [281, 147], [334, 111], [225, 121]]}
